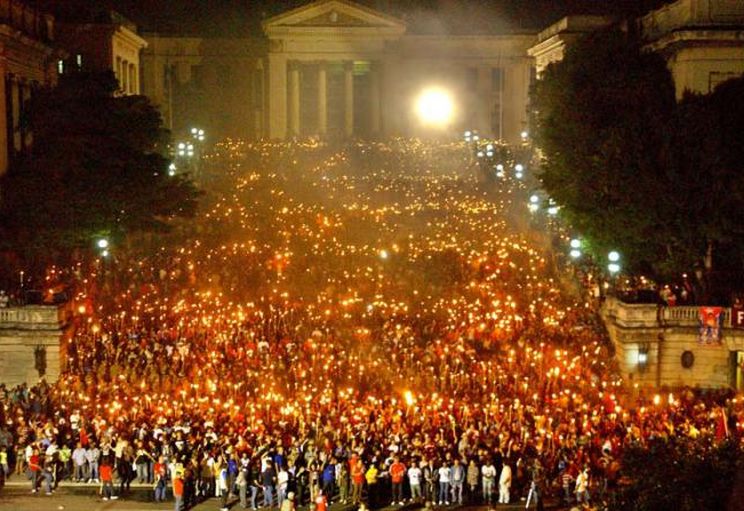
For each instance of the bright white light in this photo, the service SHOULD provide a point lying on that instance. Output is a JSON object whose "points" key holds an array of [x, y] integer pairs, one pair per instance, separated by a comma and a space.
{"points": [[105, 253], [613, 256], [499, 174], [534, 199], [500, 167], [575, 243], [575, 253], [181, 145], [519, 175], [534, 207], [613, 267], [642, 357], [489, 147], [383, 254], [519, 167], [480, 154], [524, 135], [434, 106], [103, 243], [194, 131], [468, 134], [476, 138], [553, 210], [489, 154]]}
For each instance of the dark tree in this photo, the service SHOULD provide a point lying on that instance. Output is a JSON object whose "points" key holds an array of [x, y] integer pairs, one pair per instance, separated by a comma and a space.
{"points": [[601, 121], [679, 474], [97, 167]]}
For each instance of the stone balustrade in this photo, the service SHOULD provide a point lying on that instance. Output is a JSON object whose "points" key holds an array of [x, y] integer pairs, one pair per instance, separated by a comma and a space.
{"points": [[650, 341], [691, 13]]}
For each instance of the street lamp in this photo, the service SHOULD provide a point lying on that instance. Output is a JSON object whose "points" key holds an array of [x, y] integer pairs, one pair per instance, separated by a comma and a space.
{"points": [[172, 169], [102, 243], [435, 107], [185, 149], [198, 134]]}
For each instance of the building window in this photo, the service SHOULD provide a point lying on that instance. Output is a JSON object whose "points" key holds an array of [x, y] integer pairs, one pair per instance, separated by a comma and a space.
{"points": [[61, 67], [79, 61]]}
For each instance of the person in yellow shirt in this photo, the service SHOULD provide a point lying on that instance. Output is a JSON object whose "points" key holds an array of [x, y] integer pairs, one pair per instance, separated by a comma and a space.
{"points": [[371, 478]]}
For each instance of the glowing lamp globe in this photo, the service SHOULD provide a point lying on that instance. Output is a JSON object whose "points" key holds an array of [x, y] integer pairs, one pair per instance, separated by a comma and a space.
{"points": [[434, 107]]}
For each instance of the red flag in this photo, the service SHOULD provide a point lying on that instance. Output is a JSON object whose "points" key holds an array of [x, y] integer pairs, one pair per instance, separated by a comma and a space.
{"points": [[722, 430]]}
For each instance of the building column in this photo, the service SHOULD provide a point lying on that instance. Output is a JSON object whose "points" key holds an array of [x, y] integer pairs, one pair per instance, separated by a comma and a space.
{"points": [[4, 142], [294, 100], [348, 99], [277, 93], [322, 99], [484, 87], [393, 89], [15, 97], [374, 99]]}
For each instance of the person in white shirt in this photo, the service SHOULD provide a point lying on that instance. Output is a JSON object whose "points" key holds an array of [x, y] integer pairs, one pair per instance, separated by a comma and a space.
{"points": [[505, 481], [414, 480], [444, 483], [582, 486], [489, 477]]}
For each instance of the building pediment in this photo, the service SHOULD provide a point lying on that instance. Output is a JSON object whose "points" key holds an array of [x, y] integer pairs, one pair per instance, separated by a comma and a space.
{"points": [[333, 16]]}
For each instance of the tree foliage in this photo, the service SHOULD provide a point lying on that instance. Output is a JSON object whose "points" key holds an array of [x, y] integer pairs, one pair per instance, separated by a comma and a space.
{"points": [[97, 166], [679, 474], [633, 169]]}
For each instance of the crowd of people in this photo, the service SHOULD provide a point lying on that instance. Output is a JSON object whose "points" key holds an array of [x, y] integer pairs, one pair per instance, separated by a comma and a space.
{"points": [[369, 325]]}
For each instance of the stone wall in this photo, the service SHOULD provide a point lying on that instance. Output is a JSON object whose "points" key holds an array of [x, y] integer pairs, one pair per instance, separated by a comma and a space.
{"points": [[664, 334], [23, 332]]}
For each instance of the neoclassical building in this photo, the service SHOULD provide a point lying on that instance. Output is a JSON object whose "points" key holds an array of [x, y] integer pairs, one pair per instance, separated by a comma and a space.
{"points": [[337, 69], [27, 62]]}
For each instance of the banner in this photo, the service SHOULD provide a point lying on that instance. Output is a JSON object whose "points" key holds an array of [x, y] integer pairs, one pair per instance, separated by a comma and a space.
{"points": [[737, 316], [711, 323]]}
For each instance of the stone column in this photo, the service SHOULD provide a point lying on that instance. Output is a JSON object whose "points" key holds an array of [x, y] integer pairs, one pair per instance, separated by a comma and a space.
{"points": [[277, 92], [483, 116], [348, 99], [374, 99], [15, 96], [294, 100], [393, 89], [322, 99], [4, 142]]}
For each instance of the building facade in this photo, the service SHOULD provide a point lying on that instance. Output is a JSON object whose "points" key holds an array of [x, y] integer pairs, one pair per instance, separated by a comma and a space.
{"points": [[335, 69], [111, 43], [216, 84], [27, 62], [660, 346], [702, 41]]}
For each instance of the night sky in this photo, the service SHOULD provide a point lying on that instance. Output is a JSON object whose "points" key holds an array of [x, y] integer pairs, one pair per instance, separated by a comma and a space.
{"points": [[242, 18]]}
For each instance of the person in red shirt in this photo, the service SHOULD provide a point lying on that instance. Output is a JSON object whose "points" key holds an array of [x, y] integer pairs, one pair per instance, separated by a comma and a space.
{"points": [[160, 482], [357, 481], [321, 503], [107, 480], [178, 489], [34, 465], [397, 473]]}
